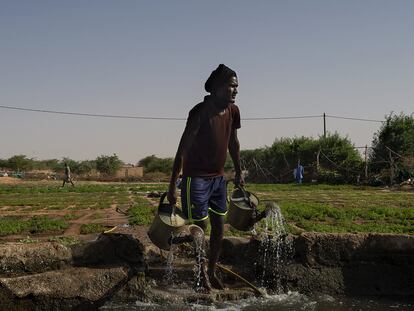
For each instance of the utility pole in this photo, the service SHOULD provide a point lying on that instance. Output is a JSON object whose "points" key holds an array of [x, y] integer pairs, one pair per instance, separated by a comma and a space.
{"points": [[324, 125]]}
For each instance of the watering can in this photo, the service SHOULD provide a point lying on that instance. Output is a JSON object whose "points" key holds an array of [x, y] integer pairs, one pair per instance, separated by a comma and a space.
{"points": [[168, 221], [242, 209]]}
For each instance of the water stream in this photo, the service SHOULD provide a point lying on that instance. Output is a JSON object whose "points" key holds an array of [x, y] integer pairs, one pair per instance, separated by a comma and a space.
{"points": [[169, 275], [274, 249], [200, 257]]}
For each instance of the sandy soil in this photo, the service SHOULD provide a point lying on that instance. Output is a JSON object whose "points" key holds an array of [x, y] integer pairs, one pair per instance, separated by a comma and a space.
{"points": [[10, 181]]}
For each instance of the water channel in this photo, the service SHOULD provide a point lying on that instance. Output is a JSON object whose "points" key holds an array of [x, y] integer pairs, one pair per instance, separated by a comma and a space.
{"points": [[292, 301], [273, 250]]}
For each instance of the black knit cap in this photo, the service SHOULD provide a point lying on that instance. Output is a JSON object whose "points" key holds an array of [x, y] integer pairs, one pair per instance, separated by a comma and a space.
{"points": [[221, 75]]}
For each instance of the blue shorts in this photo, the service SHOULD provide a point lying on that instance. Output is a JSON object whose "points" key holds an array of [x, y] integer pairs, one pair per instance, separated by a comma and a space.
{"points": [[200, 195]]}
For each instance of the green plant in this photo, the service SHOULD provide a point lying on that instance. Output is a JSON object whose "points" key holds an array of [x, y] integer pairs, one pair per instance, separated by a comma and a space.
{"points": [[142, 213], [65, 240], [91, 228], [28, 239]]}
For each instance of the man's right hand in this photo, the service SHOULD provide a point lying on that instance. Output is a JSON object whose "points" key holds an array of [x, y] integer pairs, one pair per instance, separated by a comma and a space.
{"points": [[172, 195]]}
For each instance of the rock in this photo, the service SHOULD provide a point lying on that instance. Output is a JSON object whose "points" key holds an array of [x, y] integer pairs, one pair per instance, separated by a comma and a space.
{"points": [[127, 267], [110, 249], [352, 264], [135, 289], [74, 288], [21, 258]]}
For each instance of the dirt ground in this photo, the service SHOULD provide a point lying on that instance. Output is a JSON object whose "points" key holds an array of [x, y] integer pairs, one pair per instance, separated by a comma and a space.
{"points": [[10, 180]]}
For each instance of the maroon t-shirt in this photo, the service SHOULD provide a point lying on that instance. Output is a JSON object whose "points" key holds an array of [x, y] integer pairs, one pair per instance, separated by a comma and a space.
{"points": [[207, 154]]}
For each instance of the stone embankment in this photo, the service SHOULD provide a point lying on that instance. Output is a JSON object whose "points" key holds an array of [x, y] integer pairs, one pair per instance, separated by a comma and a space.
{"points": [[127, 267], [335, 264]]}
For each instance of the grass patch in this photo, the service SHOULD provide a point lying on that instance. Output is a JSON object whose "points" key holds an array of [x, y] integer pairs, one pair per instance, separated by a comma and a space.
{"points": [[142, 213], [92, 228], [14, 225], [321, 208], [71, 216], [64, 240], [28, 240]]}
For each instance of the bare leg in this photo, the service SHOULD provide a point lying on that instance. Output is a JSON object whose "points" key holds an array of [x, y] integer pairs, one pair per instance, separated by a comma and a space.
{"points": [[202, 224], [216, 237]]}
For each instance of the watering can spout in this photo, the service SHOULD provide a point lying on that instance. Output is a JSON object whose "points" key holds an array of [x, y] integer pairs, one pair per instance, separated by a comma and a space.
{"points": [[270, 208]]}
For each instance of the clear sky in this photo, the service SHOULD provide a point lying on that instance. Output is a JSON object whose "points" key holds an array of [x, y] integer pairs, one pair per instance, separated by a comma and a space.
{"points": [[151, 58]]}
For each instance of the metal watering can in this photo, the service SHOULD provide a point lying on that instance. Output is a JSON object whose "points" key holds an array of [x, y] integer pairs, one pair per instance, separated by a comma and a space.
{"points": [[168, 221], [242, 210]]}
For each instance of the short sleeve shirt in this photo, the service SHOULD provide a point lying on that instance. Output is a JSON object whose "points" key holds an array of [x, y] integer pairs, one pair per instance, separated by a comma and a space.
{"points": [[207, 155]]}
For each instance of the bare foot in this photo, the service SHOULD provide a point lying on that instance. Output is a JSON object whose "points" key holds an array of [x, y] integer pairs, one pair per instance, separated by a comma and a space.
{"points": [[215, 281]]}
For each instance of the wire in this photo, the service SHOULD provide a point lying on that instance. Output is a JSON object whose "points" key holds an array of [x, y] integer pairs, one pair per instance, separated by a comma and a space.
{"points": [[355, 119], [141, 117], [397, 154], [91, 114], [172, 118], [281, 118], [337, 165]]}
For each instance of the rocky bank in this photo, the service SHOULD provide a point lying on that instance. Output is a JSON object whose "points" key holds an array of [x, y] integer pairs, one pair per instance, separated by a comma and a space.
{"points": [[126, 266]]}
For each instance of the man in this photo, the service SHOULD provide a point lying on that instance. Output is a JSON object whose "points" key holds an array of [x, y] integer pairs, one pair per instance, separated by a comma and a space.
{"points": [[298, 173], [67, 177], [210, 131]]}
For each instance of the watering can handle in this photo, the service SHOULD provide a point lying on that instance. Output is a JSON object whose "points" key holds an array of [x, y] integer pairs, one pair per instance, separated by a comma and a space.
{"points": [[163, 196], [246, 197]]}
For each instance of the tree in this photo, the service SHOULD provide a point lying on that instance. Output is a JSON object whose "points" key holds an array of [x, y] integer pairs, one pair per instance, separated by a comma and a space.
{"points": [[393, 148], [339, 161], [4, 163], [152, 164], [52, 164], [108, 164], [85, 167], [20, 163]]}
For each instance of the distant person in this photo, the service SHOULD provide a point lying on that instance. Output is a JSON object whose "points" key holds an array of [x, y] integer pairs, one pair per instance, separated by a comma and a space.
{"points": [[298, 173], [210, 131], [67, 177]]}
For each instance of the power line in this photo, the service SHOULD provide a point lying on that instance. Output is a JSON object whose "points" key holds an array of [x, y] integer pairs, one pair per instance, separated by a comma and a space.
{"points": [[355, 119], [139, 117], [171, 118], [281, 118], [91, 114]]}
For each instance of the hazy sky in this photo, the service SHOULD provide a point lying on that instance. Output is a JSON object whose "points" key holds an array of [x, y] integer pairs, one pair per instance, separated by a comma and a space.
{"points": [[151, 58]]}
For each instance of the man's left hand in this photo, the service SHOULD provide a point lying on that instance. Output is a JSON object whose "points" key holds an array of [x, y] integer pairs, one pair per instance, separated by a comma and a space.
{"points": [[238, 180]]}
